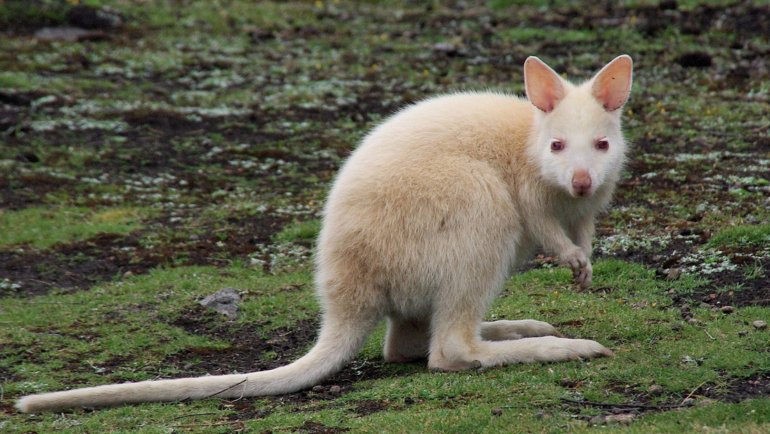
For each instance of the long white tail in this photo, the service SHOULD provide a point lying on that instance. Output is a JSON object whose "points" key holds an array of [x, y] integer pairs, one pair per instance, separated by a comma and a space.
{"points": [[335, 347]]}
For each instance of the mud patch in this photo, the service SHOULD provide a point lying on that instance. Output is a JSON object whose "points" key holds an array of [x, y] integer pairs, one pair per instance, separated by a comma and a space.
{"points": [[741, 389], [247, 349], [318, 428], [734, 289], [68, 267], [370, 406], [652, 401]]}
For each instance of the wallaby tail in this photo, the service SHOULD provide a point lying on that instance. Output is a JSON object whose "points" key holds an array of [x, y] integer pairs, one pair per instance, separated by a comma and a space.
{"points": [[336, 346]]}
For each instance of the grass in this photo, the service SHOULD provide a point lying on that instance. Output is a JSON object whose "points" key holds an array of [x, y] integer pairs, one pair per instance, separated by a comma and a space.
{"points": [[202, 140], [742, 236], [299, 231], [634, 317], [43, 227]]}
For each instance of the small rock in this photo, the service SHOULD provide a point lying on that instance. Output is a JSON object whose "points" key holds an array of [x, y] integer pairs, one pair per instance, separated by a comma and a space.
{"points": [[623, 418], [693, 321], [71, 34], [655, 389], [497, 411], [597, 420], [759, 324], [673, 274], [128, 274], [447, 48], [727, 309], [743, 333], [224, 301], [335, 390], [318, 389], [676, 327]]}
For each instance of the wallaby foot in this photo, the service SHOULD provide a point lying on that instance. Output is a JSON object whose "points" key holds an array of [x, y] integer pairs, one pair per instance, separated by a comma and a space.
{"points": [[459, 350], [504, 330]]}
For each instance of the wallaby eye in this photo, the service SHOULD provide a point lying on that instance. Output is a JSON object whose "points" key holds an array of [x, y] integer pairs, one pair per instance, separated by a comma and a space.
{"points": [[602, 144], [556, 145]]}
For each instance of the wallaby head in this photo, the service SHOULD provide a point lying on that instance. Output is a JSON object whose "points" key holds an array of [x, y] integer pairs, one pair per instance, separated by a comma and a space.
{"points": [[577, 142]]}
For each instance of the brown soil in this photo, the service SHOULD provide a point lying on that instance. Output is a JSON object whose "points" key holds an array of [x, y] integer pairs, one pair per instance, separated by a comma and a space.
{"points": [[81, 264]]}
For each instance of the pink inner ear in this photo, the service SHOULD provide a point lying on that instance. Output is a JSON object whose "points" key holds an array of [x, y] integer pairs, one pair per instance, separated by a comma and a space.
{"points": [[612, 85], [544, 87]]}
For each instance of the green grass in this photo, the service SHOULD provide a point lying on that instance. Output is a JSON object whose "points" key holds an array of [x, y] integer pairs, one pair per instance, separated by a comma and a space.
{"points": [[299, 231], [43, 227], [207, 127], [631, 316], [742, 236]]}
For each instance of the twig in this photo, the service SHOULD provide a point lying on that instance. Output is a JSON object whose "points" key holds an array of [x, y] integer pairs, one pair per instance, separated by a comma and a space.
{"points": [[611, 405], [709, 335], [193, 415], [691, 393], [761, 301], [209, 424]]}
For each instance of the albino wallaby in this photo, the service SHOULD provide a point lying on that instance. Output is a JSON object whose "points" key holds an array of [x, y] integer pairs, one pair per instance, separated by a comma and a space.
{"points": [[426, 220]]}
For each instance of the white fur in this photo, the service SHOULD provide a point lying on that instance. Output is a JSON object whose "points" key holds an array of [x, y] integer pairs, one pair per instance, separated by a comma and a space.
{"points": [[426, 220]]}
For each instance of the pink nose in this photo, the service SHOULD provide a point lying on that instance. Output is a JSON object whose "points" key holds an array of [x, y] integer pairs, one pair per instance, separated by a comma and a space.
{"points": [[581, 182]]}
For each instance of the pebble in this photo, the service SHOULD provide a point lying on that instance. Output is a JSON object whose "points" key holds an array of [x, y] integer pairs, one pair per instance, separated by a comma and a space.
{"points": [[497, 411], [693, 321], [335, 389], [759, 324], [673, 274], [655, 389], [225, 301], [727, 309], [318, 389], [622, 419]]}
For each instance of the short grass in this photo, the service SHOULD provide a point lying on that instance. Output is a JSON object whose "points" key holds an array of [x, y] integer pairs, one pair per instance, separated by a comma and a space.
{"points": [[196, 124], [43, 227], [652, 347]]}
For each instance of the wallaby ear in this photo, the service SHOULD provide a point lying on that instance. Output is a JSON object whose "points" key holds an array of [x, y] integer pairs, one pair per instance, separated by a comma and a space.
{"points": [[612, 85], [543, 85]]}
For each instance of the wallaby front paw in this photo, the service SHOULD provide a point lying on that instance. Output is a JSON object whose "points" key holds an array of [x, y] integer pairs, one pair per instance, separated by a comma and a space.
{"points": [[582, 272]]}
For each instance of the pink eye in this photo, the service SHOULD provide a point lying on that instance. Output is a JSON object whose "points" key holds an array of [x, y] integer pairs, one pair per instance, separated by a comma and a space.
{"points": [[557, 145], [602, 144]]}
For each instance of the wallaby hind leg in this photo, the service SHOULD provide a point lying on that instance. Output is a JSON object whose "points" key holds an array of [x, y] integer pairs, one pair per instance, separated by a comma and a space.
{"points": [[456, 341], [504, 330], [406, 340]]}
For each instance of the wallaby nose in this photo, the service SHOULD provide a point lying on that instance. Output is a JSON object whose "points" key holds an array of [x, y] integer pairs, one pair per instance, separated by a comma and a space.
{"points": [[581, 182]]}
